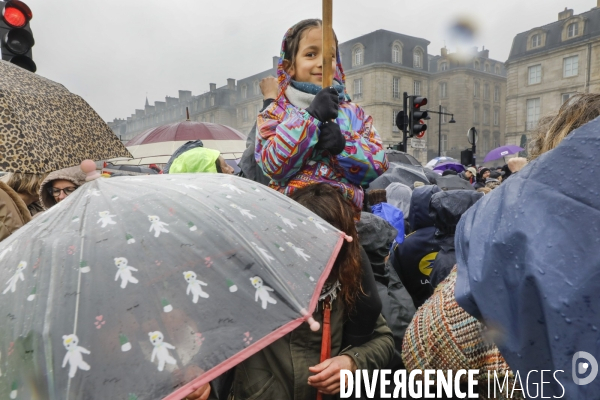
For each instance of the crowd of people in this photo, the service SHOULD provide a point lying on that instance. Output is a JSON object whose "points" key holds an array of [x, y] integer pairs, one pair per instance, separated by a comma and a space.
{"points": [[395, 283]]}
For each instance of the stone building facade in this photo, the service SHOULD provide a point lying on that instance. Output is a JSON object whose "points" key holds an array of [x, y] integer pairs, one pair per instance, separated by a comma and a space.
{"points": [[472, 87], [546, 66], [379, 67]]}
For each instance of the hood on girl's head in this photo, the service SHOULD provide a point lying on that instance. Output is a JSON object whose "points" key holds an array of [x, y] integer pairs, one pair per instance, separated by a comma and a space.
{"points": [[282, 76]]}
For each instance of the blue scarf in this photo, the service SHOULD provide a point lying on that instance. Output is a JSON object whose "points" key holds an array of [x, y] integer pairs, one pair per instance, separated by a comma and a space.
{"points": [[311, 88]]}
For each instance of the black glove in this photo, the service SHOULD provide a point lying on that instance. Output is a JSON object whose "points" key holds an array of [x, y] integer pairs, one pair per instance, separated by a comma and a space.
{"points": [[325, 105], [331, 138]]}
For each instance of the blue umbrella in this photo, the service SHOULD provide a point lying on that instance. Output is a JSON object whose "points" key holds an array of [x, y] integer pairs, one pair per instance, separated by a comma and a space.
{"points": [[501, 152]]}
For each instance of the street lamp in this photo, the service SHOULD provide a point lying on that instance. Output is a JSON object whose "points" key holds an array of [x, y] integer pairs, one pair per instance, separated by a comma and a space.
{"points": [[452, 121]]}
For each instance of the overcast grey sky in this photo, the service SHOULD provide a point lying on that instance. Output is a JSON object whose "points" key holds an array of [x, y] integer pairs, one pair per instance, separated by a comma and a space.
{"points": [[113, 52]]}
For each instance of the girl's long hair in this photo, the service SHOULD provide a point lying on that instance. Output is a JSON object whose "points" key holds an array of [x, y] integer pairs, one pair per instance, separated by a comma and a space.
{"points": [[329, 203]]}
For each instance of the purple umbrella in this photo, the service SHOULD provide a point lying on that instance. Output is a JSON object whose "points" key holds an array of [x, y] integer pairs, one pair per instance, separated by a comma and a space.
{"points": [[501, 152], [455, 166]]}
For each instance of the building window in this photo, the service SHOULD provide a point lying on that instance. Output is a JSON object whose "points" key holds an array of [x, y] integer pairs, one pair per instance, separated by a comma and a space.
{"points": [[394, 115], [566, 96], [533, 113], [358, 56], [417, 88], [498, 69], [536, 41], [256, 109], [535, 74], [444, 66], [573, 30], [212, 101], [475, 114], [443, 115], [486, 142], [256, 87], [570, 66], [486, 116], [496, 93], [396, 54], [486, 91], [396, 88], [496, 117], [357, 88], [476, 64], [496, 139], [244, 92], [476, 90], [418, 58], [245, 114], [443, 90], [444, 143], [212, 118], [486, 67]]}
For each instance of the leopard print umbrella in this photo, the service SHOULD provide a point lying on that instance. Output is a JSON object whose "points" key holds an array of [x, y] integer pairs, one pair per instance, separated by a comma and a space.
{"points": [[44, 127]]}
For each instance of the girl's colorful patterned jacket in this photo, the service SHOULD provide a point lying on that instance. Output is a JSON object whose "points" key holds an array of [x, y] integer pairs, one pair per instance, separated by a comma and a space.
{"points": [[286, 139]]}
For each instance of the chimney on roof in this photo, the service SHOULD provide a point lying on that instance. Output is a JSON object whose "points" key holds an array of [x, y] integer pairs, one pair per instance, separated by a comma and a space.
{"points": [[568, 13], [276, 60], [213, 87], [231, 84], [445, 50]]}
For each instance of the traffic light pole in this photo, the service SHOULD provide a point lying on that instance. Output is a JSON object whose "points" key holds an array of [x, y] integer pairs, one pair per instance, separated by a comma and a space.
{"points": [[440, 113], [440, 132], [404, 133]]}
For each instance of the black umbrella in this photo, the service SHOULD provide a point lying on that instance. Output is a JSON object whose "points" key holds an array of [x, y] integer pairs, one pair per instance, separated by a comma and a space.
{"points": [[399, 173], [453, 182], [401, 157]]}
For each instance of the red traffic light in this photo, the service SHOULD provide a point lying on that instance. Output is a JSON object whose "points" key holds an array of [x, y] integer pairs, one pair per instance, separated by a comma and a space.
{"points": [[16, 14], [418, 102]]}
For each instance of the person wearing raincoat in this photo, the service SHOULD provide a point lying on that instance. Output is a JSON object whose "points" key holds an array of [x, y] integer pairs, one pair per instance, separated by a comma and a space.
{"points": [[309, 134], [199, 159], [446, 209], [413, 259], [59, 184], [398, 196], [529, 261], [13, 211], [27, 187]]}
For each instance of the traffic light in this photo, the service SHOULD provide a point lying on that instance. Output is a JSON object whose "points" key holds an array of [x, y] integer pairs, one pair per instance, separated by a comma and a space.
{"points": [[16, 39], [401, 121], [415, 116]]}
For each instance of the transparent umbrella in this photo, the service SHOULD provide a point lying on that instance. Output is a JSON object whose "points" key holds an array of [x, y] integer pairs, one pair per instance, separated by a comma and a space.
{"points": [[139, 287]]}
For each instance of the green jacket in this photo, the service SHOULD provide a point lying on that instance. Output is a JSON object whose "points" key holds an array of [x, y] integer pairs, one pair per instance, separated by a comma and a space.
{"points": [[280, 371]]}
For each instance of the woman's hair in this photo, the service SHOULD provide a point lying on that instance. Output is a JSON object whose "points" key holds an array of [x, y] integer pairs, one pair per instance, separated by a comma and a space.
{"points": [[24, 183], [292, 41], [575, 112], [377, 196], [328, 203]]}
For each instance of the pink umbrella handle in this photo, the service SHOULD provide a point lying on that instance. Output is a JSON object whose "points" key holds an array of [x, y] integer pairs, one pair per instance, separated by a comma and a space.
{"points": [[89, 168], [314, 325]]}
